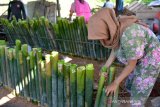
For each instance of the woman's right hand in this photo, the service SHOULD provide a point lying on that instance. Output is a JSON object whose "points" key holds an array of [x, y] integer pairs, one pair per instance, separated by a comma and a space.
{"points": [[105, 74]]}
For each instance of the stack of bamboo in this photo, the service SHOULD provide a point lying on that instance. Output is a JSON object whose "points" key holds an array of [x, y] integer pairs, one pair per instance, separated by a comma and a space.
{"points": [[34, 32], [46, 79], [72, 38], [63, 36]]}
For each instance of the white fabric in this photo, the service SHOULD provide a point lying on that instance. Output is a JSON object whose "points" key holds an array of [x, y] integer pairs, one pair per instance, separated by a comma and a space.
{"points": [[109, 4]]}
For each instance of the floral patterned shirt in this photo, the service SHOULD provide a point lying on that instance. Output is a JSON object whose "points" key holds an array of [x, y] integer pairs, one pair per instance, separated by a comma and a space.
{"points": [[139, 42]]}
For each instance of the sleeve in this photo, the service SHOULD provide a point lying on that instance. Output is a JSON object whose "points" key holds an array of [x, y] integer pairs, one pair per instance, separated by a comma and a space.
{"points": [[72, 9], [133, 44], [9, 11], [23, 11]]}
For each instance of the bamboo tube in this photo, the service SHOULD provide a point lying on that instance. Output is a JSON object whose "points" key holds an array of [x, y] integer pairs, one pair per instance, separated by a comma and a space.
{"points": [[18, 46], [2, 61], [15, 70], [2, 57], [89, 82], [100, 88], [73, 85], [32, 75], [7, 74], [110, 80], [80, 86], [36, 73], [103, 98], [10, 69], [39, 59], [25, 73], [43, 82], [29, 78], [48, 80], [115, 96], [66, 85], [60, 83], [20, 58], [54, 61], [17, 49]]}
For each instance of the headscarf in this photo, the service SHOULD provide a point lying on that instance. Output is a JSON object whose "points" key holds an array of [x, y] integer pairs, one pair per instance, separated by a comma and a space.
{"points": [[106, 27]]}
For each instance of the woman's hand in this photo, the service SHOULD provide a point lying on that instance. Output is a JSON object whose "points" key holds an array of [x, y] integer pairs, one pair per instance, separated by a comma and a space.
{"points": [[103, 72], [111, 89]]}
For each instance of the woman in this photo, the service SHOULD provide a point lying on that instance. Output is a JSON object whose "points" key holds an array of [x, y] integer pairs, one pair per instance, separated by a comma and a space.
{"points": [[81, 8], [134, 45], [16, 8]]}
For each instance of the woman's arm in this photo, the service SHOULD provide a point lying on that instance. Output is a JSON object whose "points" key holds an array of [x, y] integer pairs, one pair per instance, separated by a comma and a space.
{"points": [[111, 59], [126, 71]]}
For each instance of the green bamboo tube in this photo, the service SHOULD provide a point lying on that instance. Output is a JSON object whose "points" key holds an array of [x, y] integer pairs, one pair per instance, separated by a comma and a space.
{"points": [[103, 98], [80, 24], [77, 37], [80, 86], [84, 37], [100, 87], [111, 77], [7, 68], [17, 49], [32, 74], [48, 80], [89, 83], [72, 38], [39, 59], [29, 78], [2, 61], [54, 61], [66, 29], [43, 82], [1, 69], [56, 30], [73, 85], [61, 35], [18, 45], [60, 83], [24, 49], [36, 73], [10, 69], [66, 84], [1, 73], [15, 76], [20, 58]]}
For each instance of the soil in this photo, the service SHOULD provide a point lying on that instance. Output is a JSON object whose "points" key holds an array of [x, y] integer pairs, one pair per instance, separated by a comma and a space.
{"points": [[15, 102], [21, 102]]}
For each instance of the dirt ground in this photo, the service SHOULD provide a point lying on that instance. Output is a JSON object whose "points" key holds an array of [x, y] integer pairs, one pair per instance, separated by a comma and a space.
{"points": [[15, 102], [21, 102]]}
